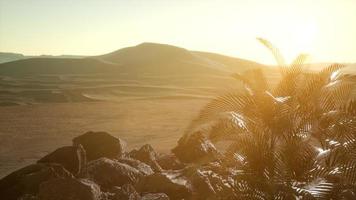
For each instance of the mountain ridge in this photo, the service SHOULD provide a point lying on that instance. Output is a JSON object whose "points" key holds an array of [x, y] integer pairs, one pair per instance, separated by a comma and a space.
{"points": [[146, 57], [144, 71], [9, 56]]}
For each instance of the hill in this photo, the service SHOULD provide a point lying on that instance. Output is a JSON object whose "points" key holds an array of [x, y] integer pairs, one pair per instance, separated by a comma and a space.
{"points": [[144, 58], [8, 57], [46, 66], [147, 70]]}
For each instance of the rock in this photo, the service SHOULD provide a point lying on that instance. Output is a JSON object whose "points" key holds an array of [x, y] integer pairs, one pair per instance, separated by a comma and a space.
{"points": [[100, 144], [209, 185], [212, 182], [147, 155], [125, 192], [169, 162], [170, 183], [195, 148], [69, 189], [140, 166], [71, 157], [108, 173], [157, 196], [27, 180]]}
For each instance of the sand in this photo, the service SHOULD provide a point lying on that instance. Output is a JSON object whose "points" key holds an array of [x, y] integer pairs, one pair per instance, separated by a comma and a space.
{"points": [[29, 132]]}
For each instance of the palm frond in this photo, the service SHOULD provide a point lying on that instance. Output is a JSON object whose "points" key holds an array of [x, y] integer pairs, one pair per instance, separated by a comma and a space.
{"points": [[294, 141], [220, 107], [297, 65], [331, 69], [275, 51], [254, 79]]}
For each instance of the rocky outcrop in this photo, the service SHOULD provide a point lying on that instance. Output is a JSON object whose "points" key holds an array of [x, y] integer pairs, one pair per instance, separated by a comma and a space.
{"points": [[68, 189], [108, 173], [170, 183], [100, 144], [25, 182], [212, 182], [140, 166], [113, 175], [195, 147], [147, 155], [71, 158]]}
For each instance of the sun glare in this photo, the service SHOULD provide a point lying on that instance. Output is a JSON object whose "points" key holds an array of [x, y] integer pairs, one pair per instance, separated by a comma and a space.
{"points": [[298, 37], [305, 36]]}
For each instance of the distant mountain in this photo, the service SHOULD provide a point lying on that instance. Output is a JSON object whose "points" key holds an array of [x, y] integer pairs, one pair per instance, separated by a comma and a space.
{"points": [[9, 57], [152, 54], [147, 70], [147, 53], [146, 58], [55, 66]]}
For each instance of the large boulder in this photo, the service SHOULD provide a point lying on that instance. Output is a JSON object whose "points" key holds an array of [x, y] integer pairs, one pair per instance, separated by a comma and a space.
{"points": [[212, 181], [69, 189], [71, 157], [109, 173], [195, 147], [171, 183], [147, 155], [26, 181], [210, 185], [125, 192], [169, 162], [140, 166], [100, 144], [156, 196]]}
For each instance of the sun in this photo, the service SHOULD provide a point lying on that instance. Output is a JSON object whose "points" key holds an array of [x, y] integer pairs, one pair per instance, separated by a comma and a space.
{"points": [[301, 39], [292, 35], [305, 36]]}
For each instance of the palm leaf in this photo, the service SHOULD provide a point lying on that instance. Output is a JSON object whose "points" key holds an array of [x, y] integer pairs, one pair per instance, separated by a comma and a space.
{"points": [[276, 53]]}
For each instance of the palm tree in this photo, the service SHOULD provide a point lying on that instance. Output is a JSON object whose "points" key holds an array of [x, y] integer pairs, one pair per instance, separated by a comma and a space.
{"points": [[293, 140]]}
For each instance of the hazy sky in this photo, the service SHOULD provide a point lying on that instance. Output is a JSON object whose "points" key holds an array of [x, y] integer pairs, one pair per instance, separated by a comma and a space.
{"points": [[324, 28]]}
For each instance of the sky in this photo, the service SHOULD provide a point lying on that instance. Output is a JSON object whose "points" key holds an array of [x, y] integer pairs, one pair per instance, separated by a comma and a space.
{"points": [[325, 29]]}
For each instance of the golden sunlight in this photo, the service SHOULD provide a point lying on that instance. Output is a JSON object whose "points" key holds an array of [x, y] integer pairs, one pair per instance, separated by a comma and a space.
{"points": [[294, 38], [177, 99]]}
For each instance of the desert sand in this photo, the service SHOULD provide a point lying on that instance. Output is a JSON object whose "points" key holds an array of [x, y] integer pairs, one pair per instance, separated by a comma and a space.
{"points": [[29, 132]]}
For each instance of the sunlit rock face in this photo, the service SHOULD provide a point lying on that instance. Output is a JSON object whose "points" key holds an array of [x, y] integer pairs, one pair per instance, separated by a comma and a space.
{"points": [[100, 144], [142, 167], [108, 173], [125, 192], [212, 181], [147, 155]]}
